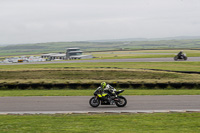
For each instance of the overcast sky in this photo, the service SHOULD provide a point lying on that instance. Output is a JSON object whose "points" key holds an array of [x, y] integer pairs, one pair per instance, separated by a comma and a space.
{"points": [[34, 21]]}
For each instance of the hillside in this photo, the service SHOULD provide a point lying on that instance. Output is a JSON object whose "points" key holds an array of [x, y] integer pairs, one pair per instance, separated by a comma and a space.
{"points": [[40, 48]]}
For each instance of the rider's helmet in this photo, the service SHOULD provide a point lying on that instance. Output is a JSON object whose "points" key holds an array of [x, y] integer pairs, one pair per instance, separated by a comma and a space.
{"points": [[103, 84]]}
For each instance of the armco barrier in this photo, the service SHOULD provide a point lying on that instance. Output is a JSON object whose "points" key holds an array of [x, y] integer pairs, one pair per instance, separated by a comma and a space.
{"points": [[162, 85], [123, 85], [189, 85], [136, 85], [6, 86], [175, 85], [149, 85]]}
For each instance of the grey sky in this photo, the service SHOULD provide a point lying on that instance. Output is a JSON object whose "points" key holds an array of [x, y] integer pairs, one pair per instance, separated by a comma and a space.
{"points": [[33, 21]]}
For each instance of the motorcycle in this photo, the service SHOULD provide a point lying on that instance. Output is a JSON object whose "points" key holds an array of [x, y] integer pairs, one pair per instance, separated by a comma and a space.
{"points": [[107, 98], [181, 57]]}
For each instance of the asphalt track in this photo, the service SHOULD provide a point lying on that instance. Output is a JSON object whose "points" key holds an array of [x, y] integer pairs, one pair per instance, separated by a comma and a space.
{"points": [[109, 60], [81, 103]]}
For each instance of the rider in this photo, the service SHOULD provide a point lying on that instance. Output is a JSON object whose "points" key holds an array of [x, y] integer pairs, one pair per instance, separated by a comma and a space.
{"points": [[180, 53], [107, 87]]}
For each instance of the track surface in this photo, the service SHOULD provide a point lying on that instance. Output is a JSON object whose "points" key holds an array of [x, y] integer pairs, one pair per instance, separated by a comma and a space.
{"points": [[81, 103], [109, 60]]}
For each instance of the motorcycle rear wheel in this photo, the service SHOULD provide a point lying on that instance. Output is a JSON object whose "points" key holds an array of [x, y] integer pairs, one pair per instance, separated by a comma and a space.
{"points": [[94, 102], [122, 101]]}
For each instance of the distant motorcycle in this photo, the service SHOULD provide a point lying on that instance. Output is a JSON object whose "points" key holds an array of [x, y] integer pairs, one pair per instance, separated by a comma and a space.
{"points": [[107, 98], [181, 57]]}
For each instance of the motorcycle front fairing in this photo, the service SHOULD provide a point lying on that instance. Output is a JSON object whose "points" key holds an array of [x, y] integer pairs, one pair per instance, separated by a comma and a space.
{"points": [[120, 91], [98, 91], [104, 99]]}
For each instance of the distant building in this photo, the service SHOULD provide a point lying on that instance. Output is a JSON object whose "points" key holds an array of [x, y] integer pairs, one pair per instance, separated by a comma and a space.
{"points": [[54, 56], [71, 53], [76, 53], [58, 56], [47, 56]]}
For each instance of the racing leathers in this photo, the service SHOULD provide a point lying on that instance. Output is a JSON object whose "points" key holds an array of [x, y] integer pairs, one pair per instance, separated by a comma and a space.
{"points": [[109, 88], [180, 54]]}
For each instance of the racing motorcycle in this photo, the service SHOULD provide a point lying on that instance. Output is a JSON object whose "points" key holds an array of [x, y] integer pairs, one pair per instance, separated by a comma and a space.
{"points": [[181, 57], [107, 98]]}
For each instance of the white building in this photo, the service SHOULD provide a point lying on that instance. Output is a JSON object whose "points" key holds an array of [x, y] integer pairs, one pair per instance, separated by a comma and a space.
{"points": [[71, 53], [54, 56]]}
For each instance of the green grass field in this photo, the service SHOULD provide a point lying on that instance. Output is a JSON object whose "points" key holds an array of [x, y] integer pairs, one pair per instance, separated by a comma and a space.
{"points": [[89, 92], [93, 75], [126, 72], [102, 123], [176, 66], [142, 54], [98, 72]]}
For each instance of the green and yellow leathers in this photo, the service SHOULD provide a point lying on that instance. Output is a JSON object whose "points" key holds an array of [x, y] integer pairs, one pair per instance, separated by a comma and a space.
{"points": [[102, 95]]}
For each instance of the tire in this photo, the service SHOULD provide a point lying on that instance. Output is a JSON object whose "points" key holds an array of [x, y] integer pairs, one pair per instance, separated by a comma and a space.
{"points": [[94, 103], [185, 57], [176, 58], [122, 101]]}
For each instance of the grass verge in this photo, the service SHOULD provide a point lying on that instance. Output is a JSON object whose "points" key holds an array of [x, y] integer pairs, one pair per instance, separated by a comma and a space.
{"points": [[5, 93], [175, 66], [102, 123], [89, 75]]}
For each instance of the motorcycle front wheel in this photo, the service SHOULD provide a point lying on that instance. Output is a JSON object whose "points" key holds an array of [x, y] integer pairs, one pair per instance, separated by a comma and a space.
{"points": [[94, 102], [121, 102], [176, 58]]}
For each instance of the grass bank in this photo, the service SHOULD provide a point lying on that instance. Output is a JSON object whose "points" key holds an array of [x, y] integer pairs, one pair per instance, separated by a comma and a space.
{"points": [[102, 123], [60, 75], [85, 78], [142, 54], [70, 92], [175, 66]]}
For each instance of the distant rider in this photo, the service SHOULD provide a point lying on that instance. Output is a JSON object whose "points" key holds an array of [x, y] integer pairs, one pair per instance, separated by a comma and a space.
{"points": [[107, 87], [180, 54]]}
